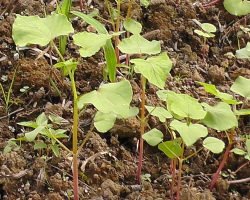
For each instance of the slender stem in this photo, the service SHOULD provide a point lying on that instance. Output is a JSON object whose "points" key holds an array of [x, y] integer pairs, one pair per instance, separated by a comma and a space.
{"points": [[61, 144], [211, 3], [57, 51], [142, 130], [75, 134], [216, 175], [242, 166], [173, 170], [179, 173], [129, 9], [117, 28], [239, 181], [193, 154]]}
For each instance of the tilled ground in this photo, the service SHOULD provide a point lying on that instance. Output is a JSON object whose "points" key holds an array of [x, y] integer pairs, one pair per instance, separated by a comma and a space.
{"points": [[110, 172]]}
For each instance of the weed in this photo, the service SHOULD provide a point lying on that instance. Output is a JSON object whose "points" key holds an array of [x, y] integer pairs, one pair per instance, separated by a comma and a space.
{"points": [[206, 32]]}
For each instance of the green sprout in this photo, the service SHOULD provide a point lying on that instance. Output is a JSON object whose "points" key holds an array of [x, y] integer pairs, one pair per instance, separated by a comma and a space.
{"points": [[206, 31]]}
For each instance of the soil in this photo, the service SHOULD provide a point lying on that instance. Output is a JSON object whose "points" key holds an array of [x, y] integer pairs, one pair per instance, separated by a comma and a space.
{"points": [[110, 173]]}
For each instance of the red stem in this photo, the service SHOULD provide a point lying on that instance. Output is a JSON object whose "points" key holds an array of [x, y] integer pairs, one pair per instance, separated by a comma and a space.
{"points": [[216, 176], [75, 177], [143, 84], [211, 3], [242, 166]]}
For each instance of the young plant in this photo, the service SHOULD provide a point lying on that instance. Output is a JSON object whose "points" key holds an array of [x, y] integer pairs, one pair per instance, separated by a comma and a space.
{"points": [[234, 7], [112, 100], [40, 126], [6, 95], [240, 86], [206, 32], [186, 114], [109, 52], [154, 69]]}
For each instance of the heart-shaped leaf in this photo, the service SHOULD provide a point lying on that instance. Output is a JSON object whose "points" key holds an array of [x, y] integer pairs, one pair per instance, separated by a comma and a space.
{"points": [[159, 112], [132, 26], [36, 30], [153, 137], [136, 44], [104, 121], [155, 69], [90, 42], [237, 7], [111, 97], [220, 117], [184, 106], [189, 133]]}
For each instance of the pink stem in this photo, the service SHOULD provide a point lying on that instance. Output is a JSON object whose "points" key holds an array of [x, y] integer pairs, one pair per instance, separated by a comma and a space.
{"points": [[211, 3]]}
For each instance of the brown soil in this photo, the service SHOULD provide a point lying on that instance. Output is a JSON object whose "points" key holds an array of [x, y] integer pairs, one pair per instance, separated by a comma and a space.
{"points": [[111, 172]]}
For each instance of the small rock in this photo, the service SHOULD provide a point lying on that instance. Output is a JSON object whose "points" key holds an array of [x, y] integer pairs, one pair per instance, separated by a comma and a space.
{"points": [[216, 74]]}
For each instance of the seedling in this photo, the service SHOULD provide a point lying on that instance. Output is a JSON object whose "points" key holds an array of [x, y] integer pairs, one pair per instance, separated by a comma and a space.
{"points": [[234, 7], [206, 32], [240, 86], [154, 69], [6, 95], [185, 113]]}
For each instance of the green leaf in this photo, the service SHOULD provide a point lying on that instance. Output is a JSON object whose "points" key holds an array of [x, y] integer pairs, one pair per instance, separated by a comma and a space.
{"points": [[40, 145], [55, 149], [189, 133], [109, 51], [136, 44], [238, 151], [171, 148], [36, 30], [210, 28], [214, 144], [227, 98], [145, 3], [242, 112], [41, 119], [132, 26], [204, 34], [220, 117], [28, 124], [155, 69], [111, 97], [59, 133], [244, 52], [10, 146], [241, 86], [162, 94], [184, 106], [237, 7], [68, 66], [153, 137], [90, 42], [32, 134], [104, 121], [159, 112]]}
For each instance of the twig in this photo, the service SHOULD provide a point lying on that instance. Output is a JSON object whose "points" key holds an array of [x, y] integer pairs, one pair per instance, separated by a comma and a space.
{"points": [[239, 181], [18, 110]]}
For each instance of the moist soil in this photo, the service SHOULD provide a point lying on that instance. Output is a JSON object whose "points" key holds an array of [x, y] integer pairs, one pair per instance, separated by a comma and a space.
{"points": [[108, 161]]}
